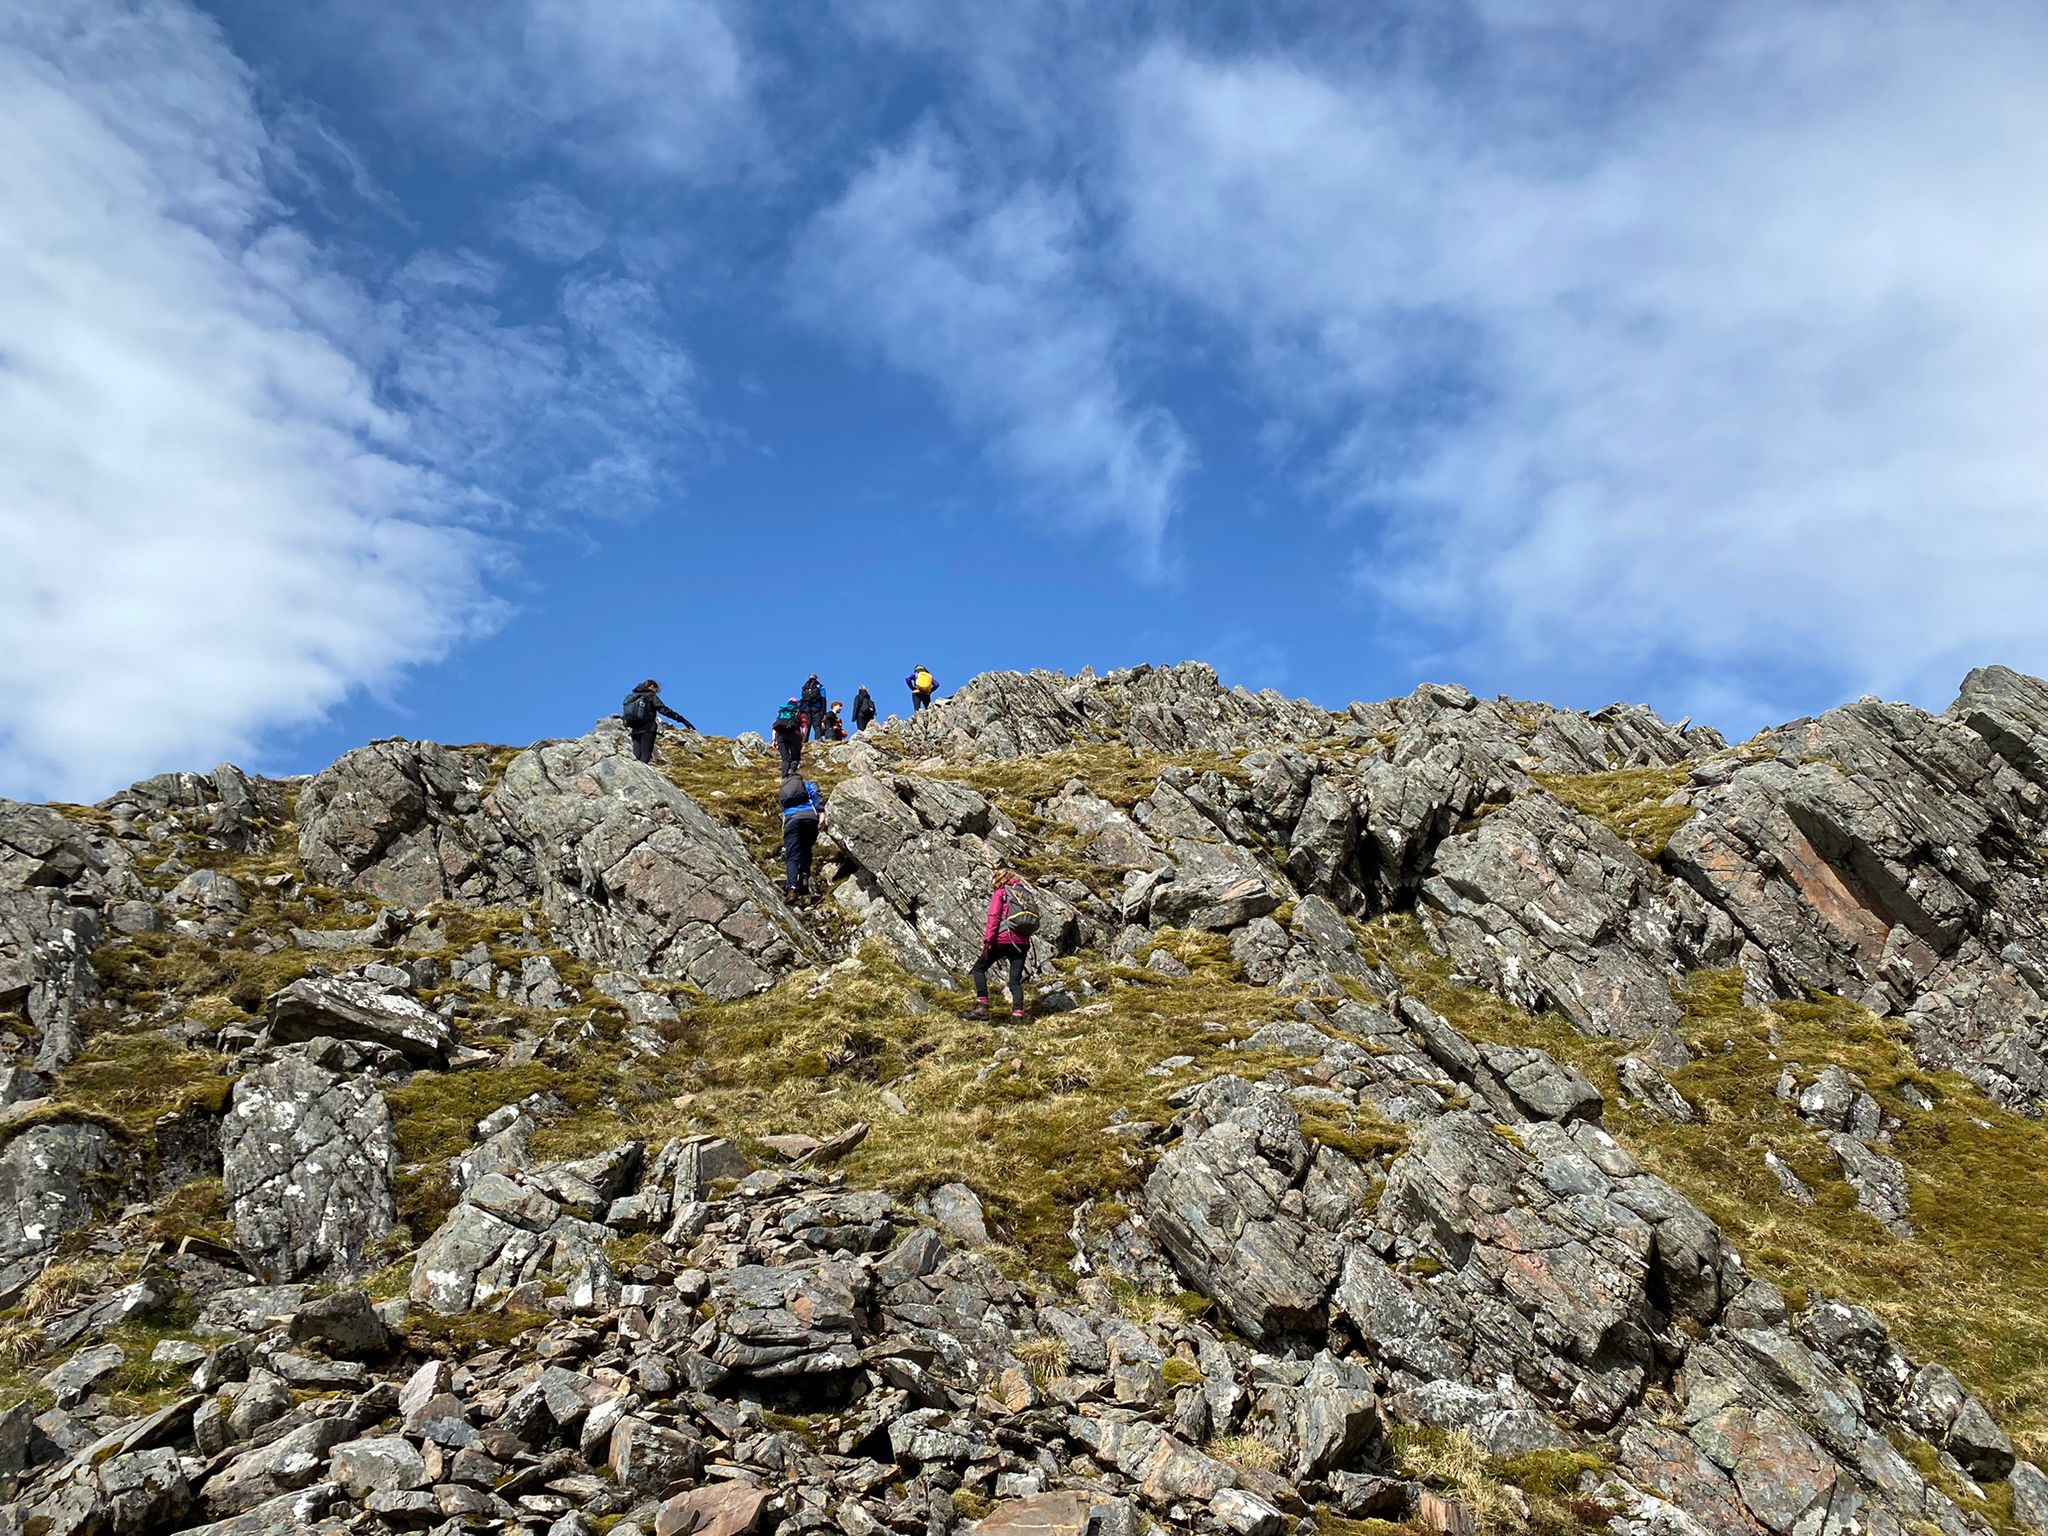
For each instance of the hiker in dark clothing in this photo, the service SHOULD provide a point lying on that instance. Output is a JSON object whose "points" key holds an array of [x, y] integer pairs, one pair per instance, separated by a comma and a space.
{"points": [[803, 817], [641, 712], [788, 734], [1012, 920], [863, 709], [813, 700], [833, 729]]}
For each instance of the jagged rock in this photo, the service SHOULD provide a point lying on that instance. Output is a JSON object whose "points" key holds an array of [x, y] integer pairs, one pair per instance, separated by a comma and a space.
{"points": [[1838, 1101], [923, 886], [342, 1323], [378, 1464], [309, 1161], [1214, 886], [1644, 1084], [76, 1377], [46, 944], [1225, 1205], [1552, 910], [956, 1208], [778, 1322], [1043, 1514], [635, 876], [266, 1476], [408, 821], [503, 1234], [730, 1509], [210, 891], [47, 1174], [2029, 1497], [1879, 1182], [356, 1008]]}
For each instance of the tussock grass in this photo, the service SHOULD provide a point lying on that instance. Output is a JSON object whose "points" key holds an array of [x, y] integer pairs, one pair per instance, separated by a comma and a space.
{"points": [[1629, 802]]}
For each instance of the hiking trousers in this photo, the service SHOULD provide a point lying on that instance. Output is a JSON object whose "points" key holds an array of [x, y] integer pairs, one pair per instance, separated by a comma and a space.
{"points": [[799, 838], [643, 743], [1015, 955], [919, 702], [792, 750]]}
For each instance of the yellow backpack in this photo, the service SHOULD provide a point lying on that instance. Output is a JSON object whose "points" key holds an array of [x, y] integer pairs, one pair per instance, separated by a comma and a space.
{"points": [[925, 681]]}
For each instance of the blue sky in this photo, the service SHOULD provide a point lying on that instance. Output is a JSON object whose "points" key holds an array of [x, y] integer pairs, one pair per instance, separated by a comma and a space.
{"points": [[373, 369]]}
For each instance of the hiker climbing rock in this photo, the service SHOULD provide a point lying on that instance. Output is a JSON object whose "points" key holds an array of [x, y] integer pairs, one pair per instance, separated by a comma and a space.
{"points": [[863, 709], [641, 712], [922, 686], [1012, 920], [803, 816], [812, 701], [788, 735]]}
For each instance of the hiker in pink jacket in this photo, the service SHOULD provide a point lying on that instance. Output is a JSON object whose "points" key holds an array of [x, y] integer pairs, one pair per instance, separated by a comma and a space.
{"points": [[1012, 920]]}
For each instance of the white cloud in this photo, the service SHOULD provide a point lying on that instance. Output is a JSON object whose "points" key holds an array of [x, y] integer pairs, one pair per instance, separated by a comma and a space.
{"points": [[660, 86], [552, 225], [236, 482], [991, 299], [1729, 365]]}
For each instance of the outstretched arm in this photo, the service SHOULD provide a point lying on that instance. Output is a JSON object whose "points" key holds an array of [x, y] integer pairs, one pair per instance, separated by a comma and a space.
{"points": [[679, 720]]}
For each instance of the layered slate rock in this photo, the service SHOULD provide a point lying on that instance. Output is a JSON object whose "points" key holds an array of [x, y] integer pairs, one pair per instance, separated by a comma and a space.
{"points": [[54, 882], [1553, 911], [356, 1008], [309, 1161], [634, 875], [1884, 854]]}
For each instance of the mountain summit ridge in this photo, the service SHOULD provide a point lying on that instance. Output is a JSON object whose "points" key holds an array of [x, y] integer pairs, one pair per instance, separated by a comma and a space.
{"points": [[1435, 1111]]}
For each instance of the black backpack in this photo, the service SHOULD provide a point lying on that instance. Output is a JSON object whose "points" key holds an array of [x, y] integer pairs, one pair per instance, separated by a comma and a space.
{"points": [[1020, 911], [788, 718], [639, 709]]}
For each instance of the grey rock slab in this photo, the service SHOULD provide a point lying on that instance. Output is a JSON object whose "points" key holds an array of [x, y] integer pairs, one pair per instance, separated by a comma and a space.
{"points": [[309, 1160], [70, 1382], [958, 1209], [292, 1462], [378, 1464], [355, 1008]]}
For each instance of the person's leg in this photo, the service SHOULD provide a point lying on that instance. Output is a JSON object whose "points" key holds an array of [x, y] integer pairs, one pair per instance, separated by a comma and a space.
{"points": [[643, 744], [1016, 958], [807, 845], [792, 857], [979, 976]]}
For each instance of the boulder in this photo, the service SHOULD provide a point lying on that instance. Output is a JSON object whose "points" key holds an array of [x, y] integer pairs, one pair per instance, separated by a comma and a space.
{"points": [[408, 820], [309, 1160], [47, 1177]]}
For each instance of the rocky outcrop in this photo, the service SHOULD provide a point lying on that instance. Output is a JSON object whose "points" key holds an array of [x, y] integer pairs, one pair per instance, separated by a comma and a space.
{"points": [[309, 1161], [1554, 912], [407, 820], [632, 874]]}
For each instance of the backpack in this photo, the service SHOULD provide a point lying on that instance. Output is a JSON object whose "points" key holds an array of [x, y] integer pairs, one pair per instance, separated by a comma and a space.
{"points": [[1020, 911], [788, 718], [925, 681], [639, 709]]}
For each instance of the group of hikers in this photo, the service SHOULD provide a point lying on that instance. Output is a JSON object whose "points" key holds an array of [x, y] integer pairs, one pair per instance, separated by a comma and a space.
{"points": [[1012, 908]]}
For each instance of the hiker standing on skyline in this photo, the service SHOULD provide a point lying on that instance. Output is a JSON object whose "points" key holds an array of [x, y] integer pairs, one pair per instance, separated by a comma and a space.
{"points": [[922, 686], [1012, 920], [813, 701], [641, 712], [863, 709]]}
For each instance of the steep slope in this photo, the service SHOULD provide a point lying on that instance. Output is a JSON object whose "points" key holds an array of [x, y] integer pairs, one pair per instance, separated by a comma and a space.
{"points": [[1436, 1112]]}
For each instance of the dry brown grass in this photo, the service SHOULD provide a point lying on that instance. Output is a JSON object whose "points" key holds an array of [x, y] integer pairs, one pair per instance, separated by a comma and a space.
{"points": [[1629, 802]]}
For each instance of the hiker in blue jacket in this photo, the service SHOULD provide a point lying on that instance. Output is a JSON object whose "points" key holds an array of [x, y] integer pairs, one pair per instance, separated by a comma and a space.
{"points": [[803, 817], [641, 712]]}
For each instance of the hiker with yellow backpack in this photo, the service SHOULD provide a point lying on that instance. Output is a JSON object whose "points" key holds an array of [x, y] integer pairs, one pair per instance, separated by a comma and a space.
{"points": [[1012, 920], [922, 686]]}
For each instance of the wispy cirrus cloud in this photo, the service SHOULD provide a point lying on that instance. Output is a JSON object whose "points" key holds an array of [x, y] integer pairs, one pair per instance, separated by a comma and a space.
{"points": [[240, 478], [552, 225], [992, 298]]}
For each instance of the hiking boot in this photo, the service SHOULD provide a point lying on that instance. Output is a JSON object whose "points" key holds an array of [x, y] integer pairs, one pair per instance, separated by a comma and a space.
{"points": [[978, 1011], [1016, 1015]]}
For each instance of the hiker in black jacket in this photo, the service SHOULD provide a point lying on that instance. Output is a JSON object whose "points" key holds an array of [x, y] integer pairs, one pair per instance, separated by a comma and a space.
{"points": [[863, 709], [813, 700], [788, 735], [641, 712]]}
